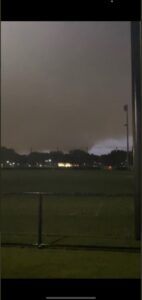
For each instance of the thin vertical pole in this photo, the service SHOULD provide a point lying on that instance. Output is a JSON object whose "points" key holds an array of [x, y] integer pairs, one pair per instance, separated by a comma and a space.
{"points": [[127, 136], [40, 220], [137, 122]]}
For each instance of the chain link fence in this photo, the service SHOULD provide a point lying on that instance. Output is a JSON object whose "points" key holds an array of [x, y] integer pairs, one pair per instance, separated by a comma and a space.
{"points": [[68, 220]]}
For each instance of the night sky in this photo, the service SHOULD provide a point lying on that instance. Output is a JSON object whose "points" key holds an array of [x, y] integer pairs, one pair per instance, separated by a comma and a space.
{"points": [[64, 85]]}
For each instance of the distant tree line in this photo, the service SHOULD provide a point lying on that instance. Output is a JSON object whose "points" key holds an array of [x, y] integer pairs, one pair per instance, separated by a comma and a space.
{"points": [[115, 158]]}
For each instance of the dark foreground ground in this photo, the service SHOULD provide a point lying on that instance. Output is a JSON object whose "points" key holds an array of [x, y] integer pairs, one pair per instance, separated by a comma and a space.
{"points": [[35, 263], [97, 220]]}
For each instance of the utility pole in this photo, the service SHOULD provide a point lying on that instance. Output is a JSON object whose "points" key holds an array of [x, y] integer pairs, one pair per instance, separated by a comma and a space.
{"points": [[127, 133]]}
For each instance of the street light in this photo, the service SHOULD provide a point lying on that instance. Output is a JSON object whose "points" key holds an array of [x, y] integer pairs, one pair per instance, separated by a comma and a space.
{"points": [[127, 133]]}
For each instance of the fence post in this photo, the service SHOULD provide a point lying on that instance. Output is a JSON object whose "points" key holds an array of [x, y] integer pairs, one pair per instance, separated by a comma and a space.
{"points": [[39, 243], [137, 121]]}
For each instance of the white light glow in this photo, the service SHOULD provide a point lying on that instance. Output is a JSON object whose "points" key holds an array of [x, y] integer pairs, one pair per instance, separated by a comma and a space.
{"points": [[109, 168], [68, 165], [110, 144], [64, 165], [61, 165]]}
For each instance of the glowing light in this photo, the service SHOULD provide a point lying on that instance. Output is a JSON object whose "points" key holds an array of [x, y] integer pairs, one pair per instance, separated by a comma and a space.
{"points": [[109, 168], [64, 165], [7, 161], [68, 165], [61, 165]]}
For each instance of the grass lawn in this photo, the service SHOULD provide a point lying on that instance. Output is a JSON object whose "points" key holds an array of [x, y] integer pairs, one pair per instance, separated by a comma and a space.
{"points": [[65, 217], [67, 181], [95, 220], [44, 263], [103, 217]]}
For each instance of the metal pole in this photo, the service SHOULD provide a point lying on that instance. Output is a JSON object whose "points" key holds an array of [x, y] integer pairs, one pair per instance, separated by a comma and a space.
{"points": [[137, 122], [127, 139], [40, 221], [127, 134]]}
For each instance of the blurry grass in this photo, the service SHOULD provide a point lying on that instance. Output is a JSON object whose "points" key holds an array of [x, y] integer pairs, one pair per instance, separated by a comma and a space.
{"points": [[34, 263], [67, 181], [104, 218], [69, 220]]}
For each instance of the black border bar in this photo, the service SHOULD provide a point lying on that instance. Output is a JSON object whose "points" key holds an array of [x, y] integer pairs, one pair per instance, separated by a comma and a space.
{"points": [[101, 10], [41, 289]]}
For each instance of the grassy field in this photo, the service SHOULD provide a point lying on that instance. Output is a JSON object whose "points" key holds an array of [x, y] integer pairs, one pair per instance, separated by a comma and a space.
{"points": [[66, 217], [45, 263], [69, 220], [67, 181]]}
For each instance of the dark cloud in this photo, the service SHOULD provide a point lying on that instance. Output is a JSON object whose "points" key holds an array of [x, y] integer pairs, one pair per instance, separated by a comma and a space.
{"points": [[64, 84]]}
